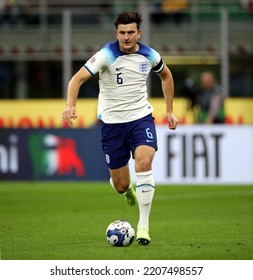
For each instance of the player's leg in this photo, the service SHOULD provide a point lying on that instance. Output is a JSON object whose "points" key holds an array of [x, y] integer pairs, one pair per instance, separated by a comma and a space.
{"points": [[143, 143], [117, 154], [145, 188], [120, 178], [121, 181]]}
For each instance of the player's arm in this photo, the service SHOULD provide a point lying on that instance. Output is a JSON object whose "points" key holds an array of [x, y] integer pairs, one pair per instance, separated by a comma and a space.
{"points": [[73, 89], [168, 92]]}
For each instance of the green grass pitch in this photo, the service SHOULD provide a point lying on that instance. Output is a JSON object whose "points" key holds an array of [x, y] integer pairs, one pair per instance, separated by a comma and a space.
{"points": [[67, 221]]}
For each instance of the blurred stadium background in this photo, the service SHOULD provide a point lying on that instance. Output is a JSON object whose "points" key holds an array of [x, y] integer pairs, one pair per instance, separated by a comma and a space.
{"points": [[44, 42]]}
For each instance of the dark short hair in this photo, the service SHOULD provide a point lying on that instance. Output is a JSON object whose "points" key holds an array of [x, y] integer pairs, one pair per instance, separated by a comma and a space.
{"points": [[128, 17]]}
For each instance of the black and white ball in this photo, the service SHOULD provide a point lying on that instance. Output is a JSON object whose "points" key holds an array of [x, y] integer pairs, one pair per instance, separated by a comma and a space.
{"points": [[120, 233]]}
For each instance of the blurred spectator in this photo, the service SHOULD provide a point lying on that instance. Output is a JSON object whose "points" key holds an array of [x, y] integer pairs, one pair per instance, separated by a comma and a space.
{"points": [[174, 5], [211, 100], [29, 15], [15, 12], [169, 10], [175, 9], [8, 80], [247, 4], [191, 93], [9, 12]]}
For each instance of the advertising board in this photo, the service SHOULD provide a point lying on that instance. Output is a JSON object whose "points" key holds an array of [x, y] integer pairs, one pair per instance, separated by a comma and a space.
{"points": [[192, 154], [51, 154], [204, 154]]}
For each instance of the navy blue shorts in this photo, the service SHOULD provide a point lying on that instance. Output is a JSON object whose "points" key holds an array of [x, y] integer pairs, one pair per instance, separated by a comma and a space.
{"points": [[121, 139]]}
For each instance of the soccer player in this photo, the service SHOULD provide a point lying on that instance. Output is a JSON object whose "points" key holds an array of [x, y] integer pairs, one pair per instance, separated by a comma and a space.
{"points": [[125, 113]]}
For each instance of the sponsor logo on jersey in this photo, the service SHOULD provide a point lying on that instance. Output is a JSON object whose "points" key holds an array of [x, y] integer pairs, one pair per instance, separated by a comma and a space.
{"points": [[92, 59], [119, 68]]}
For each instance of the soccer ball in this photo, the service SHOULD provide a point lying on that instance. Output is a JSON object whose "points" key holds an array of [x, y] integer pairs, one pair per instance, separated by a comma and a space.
{"points": [[120, 233]]}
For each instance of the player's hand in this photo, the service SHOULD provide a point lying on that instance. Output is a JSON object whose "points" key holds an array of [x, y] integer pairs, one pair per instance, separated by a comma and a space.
{"points": [[68, 114], [172, 121]]}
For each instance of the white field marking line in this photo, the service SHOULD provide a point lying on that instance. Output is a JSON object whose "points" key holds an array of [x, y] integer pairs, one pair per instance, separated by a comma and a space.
{"points": [[198, 195]]}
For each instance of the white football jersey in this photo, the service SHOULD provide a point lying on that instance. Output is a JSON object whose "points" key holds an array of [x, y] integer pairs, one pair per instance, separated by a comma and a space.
{"points": [[122, 81]]}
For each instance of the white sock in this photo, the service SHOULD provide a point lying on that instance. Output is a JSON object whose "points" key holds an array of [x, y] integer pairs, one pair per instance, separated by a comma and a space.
{"points": [[145, 189]]}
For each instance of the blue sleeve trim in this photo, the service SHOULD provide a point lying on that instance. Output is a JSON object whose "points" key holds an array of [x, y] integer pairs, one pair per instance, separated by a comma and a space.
{"points": [[89, 70]]}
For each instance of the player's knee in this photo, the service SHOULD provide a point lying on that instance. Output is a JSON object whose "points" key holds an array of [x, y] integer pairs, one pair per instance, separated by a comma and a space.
{"points": [[121, 188], [143, 164], [120, 185]]}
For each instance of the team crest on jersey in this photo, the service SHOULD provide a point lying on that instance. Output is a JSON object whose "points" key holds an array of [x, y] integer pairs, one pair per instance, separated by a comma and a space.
{"points": [[107, 158], [143, 67]]}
